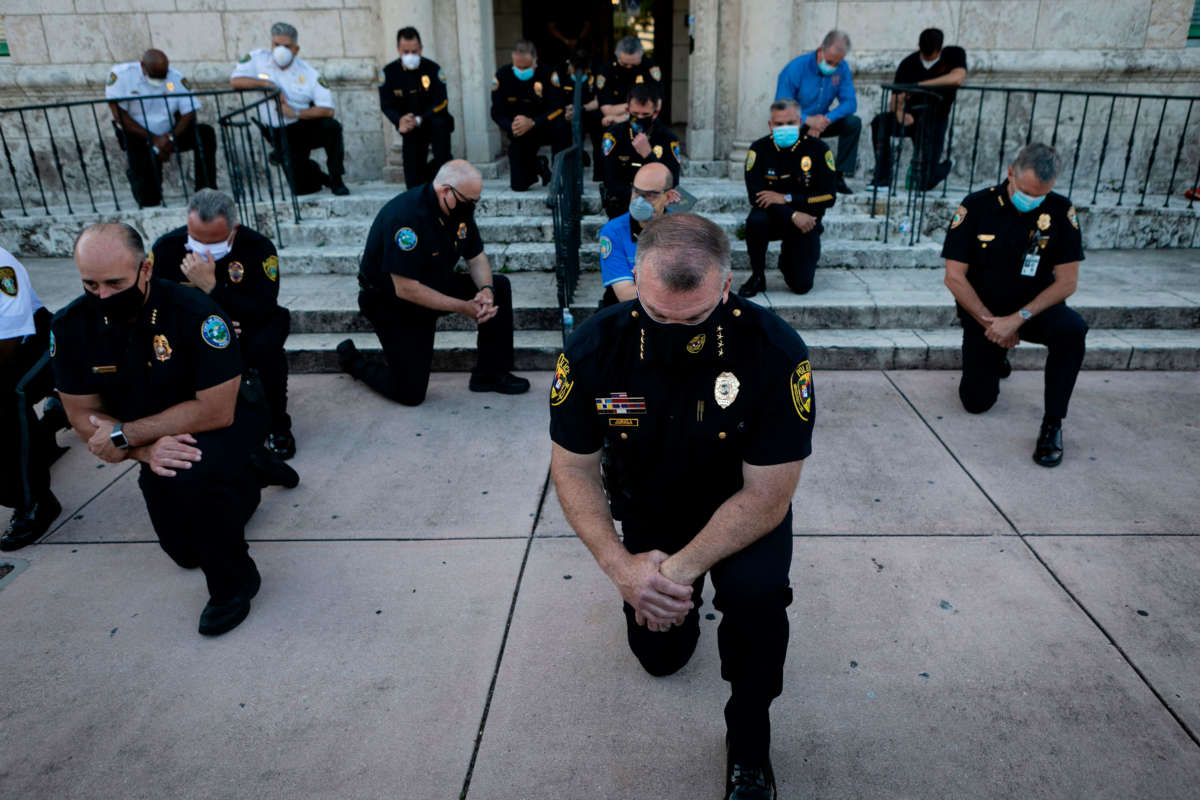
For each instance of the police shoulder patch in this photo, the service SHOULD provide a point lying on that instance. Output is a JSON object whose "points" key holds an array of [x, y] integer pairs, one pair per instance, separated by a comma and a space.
{"points": [[750, 156], [321, 80], [442, 75], [605, 247], [271, 267], [829, 160], [53, 345], [675, 150], [600, 81], [610, 142], [215, 332], [8, 281], [801, 385], [112, 78], [244, 59], [406, 239], [1073, 218], [656, 73], [495, 82], [382, 78], [561, 388], [959, 215]]}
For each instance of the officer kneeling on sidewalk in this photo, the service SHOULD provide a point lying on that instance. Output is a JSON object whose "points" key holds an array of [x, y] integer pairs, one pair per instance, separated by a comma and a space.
{"points": [[150, 370]]}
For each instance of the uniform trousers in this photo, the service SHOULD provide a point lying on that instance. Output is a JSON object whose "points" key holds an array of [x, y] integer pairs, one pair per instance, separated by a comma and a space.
{"points": [[848, 130], [301, 138], [1060, 328], [262, 349], [200, 514], [406, 332], [799, 252], [434, 131], [928, 134], [25, 456], [522, 151], [752, 594], [594, 130], [145, 170]]}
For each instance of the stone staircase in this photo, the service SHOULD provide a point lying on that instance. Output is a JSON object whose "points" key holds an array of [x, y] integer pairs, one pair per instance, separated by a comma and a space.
{"points": [[875, 304]]}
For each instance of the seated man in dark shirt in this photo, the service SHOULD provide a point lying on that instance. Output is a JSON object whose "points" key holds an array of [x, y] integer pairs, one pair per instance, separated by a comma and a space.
{"points": [[918, 116]]}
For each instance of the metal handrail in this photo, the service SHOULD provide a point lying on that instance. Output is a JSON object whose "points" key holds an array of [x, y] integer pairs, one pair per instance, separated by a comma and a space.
{"points": [[565, 199]]}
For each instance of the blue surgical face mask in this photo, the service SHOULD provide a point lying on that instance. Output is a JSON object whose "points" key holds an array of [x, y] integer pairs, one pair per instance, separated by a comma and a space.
{"points": [[641, 209], [786, 135], [523, 74], [1025, 203], [825, 67]]}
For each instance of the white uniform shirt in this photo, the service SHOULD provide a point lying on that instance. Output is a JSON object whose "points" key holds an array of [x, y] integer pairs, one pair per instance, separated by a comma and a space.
{"points": [[157, 115], [18, 301], [301, 84]]}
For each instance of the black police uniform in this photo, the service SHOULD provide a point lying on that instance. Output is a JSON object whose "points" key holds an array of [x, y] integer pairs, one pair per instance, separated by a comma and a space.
{"points": [[538, 99], [563, 79], [614, 81], [421, 92], [247, 291], [180, 344], [805, 171], [411, 238], [678, 409], [622, 161], [998, 245], [928, 130]]}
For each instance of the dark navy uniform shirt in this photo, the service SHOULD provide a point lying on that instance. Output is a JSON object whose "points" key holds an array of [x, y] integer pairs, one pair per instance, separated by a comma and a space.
{"points": [[992, 238], [411, 238], [536, 98], [805, 171], [562, 79], [181, 343], [420, 91], [247, 279], [614, 81], [622, 161], [679, 422]]}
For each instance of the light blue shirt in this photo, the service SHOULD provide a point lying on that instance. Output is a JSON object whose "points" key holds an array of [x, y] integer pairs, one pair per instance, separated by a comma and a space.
{"points": [[804, 83], [618, 251]]}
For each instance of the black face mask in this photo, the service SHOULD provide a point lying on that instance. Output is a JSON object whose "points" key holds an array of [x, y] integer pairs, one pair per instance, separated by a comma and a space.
{"points": [[119, 307], [464, 208], [676, 344]]}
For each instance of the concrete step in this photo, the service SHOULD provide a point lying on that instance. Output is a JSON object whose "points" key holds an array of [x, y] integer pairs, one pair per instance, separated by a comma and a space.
{"points": [[938, 348]]}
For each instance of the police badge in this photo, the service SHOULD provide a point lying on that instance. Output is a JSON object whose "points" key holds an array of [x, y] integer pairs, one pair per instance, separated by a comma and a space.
{"points": [[726, 389], [162, 348]]}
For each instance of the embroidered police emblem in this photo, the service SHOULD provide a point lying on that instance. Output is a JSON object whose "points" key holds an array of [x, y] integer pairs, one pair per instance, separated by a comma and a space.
{"points": [[806, 163], [382, 78], [696, 344], [562, 381], [162, 348], [406, 239], [244, 59], [656, 73], [271, 267], [750, 156], [442, 75], [495, 83], [215, 332], [829, 161], [675, 150], [610, 142], [186, 84], [959, 215], [321, 80], [53, 345], [425, 82], [462, 230], [8, 281], [725, 390], [1073, 218], [112, 78], [801, 381], [236, 272], [605, 247]]}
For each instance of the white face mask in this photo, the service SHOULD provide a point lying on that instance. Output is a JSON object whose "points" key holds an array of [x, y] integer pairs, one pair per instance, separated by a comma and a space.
{"points": [[410, 60], [282, 55], [216, 251], [928, 64]]}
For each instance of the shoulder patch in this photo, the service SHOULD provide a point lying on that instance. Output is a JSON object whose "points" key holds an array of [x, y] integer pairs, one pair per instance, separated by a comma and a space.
{"points": [[656, 73], [244, 59], [382, 78], [750, 156], [561, 388], [321, 80], [801, 382], [215, 332], [829, 161], [53, 345], [271, 267], [442, 75], [8, 281], [1073, 218], [959, 215], [495, 82], [675, 151], [605, 247], [112, 78], [600, 81], [186, 83], [406, 239], [610, 142]]}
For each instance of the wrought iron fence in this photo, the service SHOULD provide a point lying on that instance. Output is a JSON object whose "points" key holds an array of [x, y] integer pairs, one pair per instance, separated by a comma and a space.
{"points": [[566, 207]]}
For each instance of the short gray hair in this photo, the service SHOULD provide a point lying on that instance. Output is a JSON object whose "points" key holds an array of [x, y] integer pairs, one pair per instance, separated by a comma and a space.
{"points": [[455, 173], [836, 37], [210, 204], [1043, 159], [525, 47], [630, 46], [684, 249], [784, 103], [283, 29]]}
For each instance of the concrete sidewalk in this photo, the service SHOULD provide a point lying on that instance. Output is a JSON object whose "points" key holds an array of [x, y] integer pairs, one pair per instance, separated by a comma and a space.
{"points": [[966, 624]]}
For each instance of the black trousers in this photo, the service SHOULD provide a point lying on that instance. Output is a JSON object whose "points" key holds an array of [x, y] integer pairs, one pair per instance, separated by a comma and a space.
{"points": [[301, 138], [145, 171], [848, 130], [262, 349], [414, 146], [406, 333], [752, 594], [25, 454], [594, 131], [798, 255], [1060, 328], [522, 151], [928, 134], [200, 514]]}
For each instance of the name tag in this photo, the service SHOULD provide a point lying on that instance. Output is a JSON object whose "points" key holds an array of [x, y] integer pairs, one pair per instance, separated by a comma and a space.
{"points": [[103, 370], [1030, 265]]}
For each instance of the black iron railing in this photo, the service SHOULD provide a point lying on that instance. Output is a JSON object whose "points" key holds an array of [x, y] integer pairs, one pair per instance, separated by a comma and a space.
{"points": [[566, 207], [62, 157], [1121, 145]]}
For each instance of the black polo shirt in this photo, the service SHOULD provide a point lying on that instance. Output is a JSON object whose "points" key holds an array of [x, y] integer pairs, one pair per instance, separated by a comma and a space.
{"points": [[562, 79], [911, 70], [622, 161], [992, 238], [678, 426], [420, 91], [412, 239], [247, 287], [180, 344], [614, 81], [805, 170], [536, 98]]}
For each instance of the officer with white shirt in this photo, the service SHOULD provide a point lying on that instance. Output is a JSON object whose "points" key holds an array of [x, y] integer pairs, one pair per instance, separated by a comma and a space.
{"points": [[303, 119], [158, 121]]}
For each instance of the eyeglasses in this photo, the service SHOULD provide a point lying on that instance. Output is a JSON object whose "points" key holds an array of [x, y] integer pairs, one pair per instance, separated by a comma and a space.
{"points": [[463, 200], [649, 194]]}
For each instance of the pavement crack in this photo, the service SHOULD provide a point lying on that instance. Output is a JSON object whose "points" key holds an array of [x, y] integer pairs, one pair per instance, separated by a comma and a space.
{"points": [[68, 517]]}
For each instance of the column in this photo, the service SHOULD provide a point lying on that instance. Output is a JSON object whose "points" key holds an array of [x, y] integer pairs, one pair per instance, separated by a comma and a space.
{"points": [[764, 45], [702, 81], [477, 59]]}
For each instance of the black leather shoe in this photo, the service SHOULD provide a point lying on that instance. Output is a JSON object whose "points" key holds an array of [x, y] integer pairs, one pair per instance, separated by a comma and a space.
{"points": [[544, 170], [29, 524], [505, 384], [1049, 450], [282, 444], [1005, 368], [218, 618], [749, 783], [840, 185], [272, 471], [337, 187], [347, 355], [756, 283], [54, 416]]}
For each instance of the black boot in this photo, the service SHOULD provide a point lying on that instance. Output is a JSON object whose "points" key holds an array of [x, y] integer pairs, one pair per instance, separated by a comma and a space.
{"points": [[28, 524], [1049, 450], [748, 782], [757, 283]]}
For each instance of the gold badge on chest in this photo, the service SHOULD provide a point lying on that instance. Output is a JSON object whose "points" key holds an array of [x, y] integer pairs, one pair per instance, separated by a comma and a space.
{"points": [[726, 389], [806, 163], [162, 348], [1043, 222], [425, 81], [696, 344]]}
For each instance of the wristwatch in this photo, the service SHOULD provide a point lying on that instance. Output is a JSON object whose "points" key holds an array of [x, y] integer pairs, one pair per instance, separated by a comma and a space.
{"points": [[787, 198], [1024, 312], [118, 437]]}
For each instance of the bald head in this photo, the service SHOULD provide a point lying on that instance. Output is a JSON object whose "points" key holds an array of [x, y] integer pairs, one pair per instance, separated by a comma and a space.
{"points": [[654, 177], [110, 257], [155, 63]]}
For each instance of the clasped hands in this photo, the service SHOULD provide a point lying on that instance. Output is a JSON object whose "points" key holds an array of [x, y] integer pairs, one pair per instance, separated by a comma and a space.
{"points": [[658, 601], [167, 454], [482, 307], [1002, 330]]}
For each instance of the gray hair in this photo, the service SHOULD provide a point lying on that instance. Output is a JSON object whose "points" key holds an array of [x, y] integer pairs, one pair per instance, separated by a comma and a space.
{"points": [[210, 204], [525, 47], [283, 29], [455, 173], [630, 46], [836, 37], [784, 103], [1043, 159], [685, 248]]}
